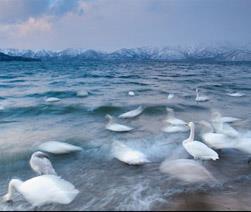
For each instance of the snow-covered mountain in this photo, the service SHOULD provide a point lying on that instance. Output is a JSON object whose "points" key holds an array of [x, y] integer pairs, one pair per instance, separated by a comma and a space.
{"points": [[144, 53]]}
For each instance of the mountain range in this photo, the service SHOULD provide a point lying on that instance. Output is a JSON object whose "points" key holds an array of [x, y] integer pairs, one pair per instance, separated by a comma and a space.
{"points": [[145, 53]]}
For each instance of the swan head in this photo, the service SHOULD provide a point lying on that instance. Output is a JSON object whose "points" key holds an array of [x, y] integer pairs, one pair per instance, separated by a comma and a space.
{"points": [[191, 124], [108, 117], [40, 154]]}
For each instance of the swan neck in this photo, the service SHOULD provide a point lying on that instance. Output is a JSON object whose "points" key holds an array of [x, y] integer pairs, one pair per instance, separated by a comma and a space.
{"points": [[13, 185], [191, 136]]}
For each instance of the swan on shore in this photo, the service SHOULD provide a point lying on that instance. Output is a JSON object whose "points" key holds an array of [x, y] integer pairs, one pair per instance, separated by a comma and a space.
{"points": [[198, 149], [41, 164], [201, 98], [52, 99], [56, 147], [132, 113], [128, 155], [187, 170], [43, 190], [116, 127]]}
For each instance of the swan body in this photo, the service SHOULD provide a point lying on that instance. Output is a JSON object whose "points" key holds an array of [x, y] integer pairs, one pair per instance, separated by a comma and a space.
{"points": [[201, 98], [116, 127], [187, 170], [56, 147], [82, 93], [132, 113], [43, 190], [225, 128], [244, 145], [52, 99], [128, 155], [171, 119], [41, 164], [198, 149], [131, 93], [236, 94]]}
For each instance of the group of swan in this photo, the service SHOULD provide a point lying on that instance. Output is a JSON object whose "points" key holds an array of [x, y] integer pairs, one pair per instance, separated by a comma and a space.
{"points": [[47, 187]]}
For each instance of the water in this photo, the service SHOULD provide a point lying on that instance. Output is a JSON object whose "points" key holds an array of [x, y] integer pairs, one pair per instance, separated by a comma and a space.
{"points": [[104, 182]]}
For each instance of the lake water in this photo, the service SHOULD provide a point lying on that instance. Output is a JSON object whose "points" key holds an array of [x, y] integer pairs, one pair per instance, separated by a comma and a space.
{"points": [[104, 182]]}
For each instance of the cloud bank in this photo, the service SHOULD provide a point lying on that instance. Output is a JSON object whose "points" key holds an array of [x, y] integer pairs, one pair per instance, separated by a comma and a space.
{"points": [[114, 24]]}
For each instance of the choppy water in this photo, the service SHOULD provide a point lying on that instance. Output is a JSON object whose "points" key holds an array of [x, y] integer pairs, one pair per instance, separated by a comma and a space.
{"points": [[104, 182]]}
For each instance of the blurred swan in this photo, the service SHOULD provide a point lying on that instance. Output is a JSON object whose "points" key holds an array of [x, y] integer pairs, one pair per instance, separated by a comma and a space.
{"points": [[131, 93], [198, 149], [187, 170], [82, 93], [43, 190], [41, 164], [216, 116], [56, 147], [52, 99], [116, 127], [171, 119], [200, 98], [132, 113], [169, 128], [170, 96], [236, 94], [216, 140], [128, 155], [224, 128], [244, 144]]}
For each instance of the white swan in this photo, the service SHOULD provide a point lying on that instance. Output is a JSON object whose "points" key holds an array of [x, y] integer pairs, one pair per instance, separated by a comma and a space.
{"points": [[43, 190], [198, 149], [132, 113], [41, 164], [116, 127], [127, 154], [170, 96], [171, 119], [131, 93], [187, 170], [216, 116], [169, 128], [200, 98], [244, 144], [82, 93], [216, 140], [56, 147], [236, 94], [52, 99]]}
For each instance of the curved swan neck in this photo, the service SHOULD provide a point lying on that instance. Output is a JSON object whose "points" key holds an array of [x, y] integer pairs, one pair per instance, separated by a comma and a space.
{"points": [[191, 136], [13, 185]]}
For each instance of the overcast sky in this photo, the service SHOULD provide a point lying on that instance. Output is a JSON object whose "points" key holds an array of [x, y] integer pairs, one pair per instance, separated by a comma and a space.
{"points": [[114, 24]]}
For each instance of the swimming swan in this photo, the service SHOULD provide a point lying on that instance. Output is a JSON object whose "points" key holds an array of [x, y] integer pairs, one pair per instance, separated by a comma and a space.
{"points": [[200, 98], [198, 149], [116, 127], [43, 190], [132, 113], [131, 93], [52, 99], [187, 170], [127, 154], [171, 119], [41, 164], [236, 94], [56, 147]]}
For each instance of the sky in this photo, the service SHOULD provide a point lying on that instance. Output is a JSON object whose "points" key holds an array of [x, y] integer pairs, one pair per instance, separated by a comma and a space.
{"points": [[113, 24]]}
